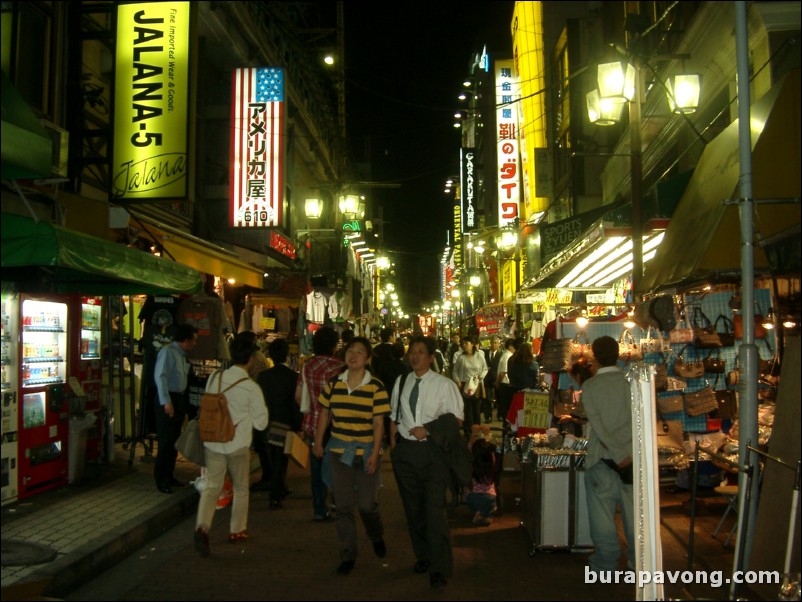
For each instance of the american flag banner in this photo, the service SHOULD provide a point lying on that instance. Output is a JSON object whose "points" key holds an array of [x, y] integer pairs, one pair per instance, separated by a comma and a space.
{"points": [[257, 148]]}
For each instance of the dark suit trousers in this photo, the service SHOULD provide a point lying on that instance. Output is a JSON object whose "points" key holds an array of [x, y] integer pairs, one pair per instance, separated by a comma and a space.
{"points": [[423, 476], [168, 429]]}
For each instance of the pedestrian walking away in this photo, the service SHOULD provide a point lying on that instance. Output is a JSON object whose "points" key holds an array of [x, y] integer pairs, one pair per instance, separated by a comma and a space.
{"points": [[278, 387], [246, 404], [316, 372], [608, 466]]}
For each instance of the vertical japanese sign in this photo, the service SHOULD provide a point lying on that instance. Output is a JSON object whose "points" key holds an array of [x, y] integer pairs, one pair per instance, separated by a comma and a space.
{"points": [[257, 148], [470, 221], [151, 90], [529, 67], [509, 180]]}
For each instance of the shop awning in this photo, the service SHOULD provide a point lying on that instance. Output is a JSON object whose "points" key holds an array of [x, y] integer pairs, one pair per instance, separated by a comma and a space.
{"points": [[27, 150], [594, 260], [703, 240], [205, 257], [44, 257]]}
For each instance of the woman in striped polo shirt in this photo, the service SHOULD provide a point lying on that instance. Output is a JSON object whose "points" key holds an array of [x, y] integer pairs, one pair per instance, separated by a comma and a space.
{"points": [[356, 403]]}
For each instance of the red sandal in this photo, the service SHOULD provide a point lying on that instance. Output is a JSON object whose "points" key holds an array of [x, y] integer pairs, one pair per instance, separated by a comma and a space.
{"points": [[235, 537]]}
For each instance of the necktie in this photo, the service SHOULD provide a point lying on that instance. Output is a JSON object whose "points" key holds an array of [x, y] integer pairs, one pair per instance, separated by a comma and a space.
{"points": [[413, 397]]}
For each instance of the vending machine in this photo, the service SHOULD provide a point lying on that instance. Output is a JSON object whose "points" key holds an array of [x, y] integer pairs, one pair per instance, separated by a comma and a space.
{"points": [[89, 371], [9, 343], [43, 434]]}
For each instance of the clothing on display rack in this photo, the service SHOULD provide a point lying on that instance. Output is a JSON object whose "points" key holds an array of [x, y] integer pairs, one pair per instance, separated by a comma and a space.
{"points": [[316, 305], [339, 306], [158, 318], [206, 313]]}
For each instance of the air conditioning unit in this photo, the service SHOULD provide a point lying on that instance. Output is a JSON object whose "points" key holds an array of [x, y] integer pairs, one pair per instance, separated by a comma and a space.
{"points": [[61, 148]]}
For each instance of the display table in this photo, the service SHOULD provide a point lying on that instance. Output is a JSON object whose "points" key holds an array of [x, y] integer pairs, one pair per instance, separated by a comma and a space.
{"points": [[553, 503]]}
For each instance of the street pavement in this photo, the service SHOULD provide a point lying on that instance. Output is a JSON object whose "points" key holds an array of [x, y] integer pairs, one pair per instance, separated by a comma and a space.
{"points": [[116, 518]]}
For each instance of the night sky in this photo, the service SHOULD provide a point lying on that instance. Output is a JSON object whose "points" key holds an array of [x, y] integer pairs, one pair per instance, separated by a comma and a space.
{"points": [[405, 64]]}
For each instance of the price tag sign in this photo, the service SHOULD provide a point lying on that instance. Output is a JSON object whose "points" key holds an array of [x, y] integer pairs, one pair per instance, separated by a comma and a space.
{"points": [[536, 410]]}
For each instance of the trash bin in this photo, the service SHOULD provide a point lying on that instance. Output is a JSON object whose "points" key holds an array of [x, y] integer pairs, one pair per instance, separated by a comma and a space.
{"points": [[79, 427]]}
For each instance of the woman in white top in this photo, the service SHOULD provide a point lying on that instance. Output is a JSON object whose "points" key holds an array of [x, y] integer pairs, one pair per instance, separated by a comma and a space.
{"points": [[469, 373]]}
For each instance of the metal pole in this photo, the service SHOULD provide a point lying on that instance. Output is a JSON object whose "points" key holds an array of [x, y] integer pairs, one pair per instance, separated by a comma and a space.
{"points": [[636, 168], [748, 431]]}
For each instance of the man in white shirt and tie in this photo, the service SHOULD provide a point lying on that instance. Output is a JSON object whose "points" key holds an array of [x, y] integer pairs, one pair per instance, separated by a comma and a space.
{"points": [[419, 465]]}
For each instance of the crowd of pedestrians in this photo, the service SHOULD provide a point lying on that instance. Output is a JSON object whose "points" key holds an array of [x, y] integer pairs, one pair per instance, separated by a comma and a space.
{"points": [[423, 401]]}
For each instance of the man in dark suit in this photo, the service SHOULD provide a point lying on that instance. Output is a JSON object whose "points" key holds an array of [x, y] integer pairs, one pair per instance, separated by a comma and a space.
{"points": [[492, 357]]}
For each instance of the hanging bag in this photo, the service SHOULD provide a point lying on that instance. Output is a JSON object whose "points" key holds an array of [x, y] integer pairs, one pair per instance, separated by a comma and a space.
{"points": [[727, 401], [738, 324], [700, 402], [704, 333], [557, 355], [688, 369], [681, 334], [628, 349], [670, 403], [727, 337], [714, 365], [580, 346], [654, 342], [663, 313]]}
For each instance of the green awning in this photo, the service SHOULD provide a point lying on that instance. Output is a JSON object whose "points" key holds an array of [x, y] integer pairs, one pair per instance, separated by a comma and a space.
{"points": [[27, 150], [44, 257]]}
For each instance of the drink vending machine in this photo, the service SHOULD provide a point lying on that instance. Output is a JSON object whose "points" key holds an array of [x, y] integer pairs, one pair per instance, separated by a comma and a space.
{"points": [[9, 342], [43, 434], [90, 371]]}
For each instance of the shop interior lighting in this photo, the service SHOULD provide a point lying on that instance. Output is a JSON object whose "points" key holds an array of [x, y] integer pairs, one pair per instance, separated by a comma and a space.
{"points": [[475, 280], [768, 322], [789, 322], [231, 280], [582, 319]]}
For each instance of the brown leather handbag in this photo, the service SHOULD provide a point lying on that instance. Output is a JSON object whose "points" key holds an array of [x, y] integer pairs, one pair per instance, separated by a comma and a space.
{"points": [[688, 369]]}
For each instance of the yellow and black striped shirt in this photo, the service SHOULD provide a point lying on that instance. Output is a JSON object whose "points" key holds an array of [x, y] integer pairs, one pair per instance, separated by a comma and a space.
{"points": [[352, 413]]}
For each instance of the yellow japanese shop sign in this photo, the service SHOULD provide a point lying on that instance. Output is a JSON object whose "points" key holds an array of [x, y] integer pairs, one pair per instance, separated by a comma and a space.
{"points": [[151, 101]]}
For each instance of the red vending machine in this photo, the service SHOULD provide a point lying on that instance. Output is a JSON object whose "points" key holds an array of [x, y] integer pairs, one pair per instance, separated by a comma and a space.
{"points": [[89, 371], [9, 341], [44, 413]]}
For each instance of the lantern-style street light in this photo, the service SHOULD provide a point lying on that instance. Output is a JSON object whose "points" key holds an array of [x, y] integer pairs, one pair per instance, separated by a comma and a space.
{"points": [[619, 82]]}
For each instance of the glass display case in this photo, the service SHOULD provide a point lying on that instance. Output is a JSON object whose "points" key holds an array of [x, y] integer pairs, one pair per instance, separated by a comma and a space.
{"points": [[44, 343], [90, 327]]}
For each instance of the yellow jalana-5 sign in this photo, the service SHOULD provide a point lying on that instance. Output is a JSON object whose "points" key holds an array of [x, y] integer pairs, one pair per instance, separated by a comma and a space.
{"points": [[151, 98]]}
